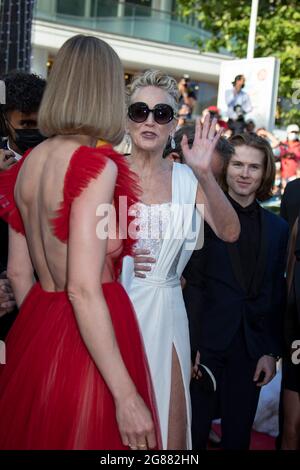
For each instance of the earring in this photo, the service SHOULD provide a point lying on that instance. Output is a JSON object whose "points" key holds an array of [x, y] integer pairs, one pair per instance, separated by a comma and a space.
{"points": [[173, 144], [127, 139]]}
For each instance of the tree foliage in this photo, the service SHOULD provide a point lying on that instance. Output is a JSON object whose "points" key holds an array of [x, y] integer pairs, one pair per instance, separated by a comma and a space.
{"points": [[277, 35]]}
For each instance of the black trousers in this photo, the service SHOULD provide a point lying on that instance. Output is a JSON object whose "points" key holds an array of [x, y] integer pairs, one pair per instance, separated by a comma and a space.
{"points": [[235, 400]]}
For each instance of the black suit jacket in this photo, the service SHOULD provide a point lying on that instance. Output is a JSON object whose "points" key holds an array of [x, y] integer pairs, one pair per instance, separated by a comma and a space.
{"points": [[3, 244], [217, 301], [290, 202], [289, 210]]}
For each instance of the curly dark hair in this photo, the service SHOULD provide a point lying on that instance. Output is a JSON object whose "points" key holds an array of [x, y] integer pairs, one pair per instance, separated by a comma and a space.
{"points": [[24, 92]]}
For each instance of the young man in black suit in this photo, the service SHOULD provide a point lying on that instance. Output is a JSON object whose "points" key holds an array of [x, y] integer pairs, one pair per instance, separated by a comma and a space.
{"points": [[235, 297]]}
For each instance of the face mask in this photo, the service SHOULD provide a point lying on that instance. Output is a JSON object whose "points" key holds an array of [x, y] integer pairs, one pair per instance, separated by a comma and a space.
{"points": [[276, 152], [293, 136], [28, 138]]}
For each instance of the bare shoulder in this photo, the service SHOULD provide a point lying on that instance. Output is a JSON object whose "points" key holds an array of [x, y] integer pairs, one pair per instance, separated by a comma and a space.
{"points": [[111, 167]]}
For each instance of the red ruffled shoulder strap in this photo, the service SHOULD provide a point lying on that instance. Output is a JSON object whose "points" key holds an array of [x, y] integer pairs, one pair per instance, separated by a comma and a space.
{"points": [[8, 209], [86, 164], [127, 194]]}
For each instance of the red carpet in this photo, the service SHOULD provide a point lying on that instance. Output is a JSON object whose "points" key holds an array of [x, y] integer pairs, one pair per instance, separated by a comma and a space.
{"points": [[259, 441]]}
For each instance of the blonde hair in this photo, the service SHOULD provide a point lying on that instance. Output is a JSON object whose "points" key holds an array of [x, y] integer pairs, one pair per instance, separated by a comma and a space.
{"points": [[157, 79], [85, 92]]}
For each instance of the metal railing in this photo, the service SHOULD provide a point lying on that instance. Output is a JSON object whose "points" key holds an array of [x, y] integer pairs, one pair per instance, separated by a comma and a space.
{"points": [[126, 19]]}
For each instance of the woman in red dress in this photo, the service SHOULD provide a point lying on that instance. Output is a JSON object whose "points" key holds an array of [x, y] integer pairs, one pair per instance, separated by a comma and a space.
{"points": [[76, 376]]}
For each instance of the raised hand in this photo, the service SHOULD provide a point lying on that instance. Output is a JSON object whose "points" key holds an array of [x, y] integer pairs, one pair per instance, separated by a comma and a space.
{"points": [[199, 156]]}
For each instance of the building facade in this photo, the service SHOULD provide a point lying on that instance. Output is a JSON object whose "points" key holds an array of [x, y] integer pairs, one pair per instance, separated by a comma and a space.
{"points": [[144, 33]]}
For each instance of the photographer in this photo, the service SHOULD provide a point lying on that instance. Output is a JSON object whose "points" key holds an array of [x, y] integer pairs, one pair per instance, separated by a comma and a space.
{"points": [[236, 96], [187, 94]]}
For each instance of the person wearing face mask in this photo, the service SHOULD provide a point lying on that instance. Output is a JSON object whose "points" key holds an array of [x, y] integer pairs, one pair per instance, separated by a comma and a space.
{"points": [[18, 133], [18, 116], [293, 142]]}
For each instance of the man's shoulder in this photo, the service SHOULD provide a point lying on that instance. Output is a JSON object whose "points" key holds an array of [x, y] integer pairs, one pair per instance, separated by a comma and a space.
{"points": [[276, 220], [292, 186]]}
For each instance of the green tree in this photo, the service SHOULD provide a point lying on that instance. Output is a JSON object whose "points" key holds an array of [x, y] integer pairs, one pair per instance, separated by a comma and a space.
{"points": [[277, 34]]}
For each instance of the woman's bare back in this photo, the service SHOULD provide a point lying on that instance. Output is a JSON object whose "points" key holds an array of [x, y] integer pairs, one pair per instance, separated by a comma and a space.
{"points": [[38, 194]]}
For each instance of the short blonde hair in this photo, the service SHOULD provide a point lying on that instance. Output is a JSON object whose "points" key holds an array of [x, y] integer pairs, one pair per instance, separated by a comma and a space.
{"points": [[157, 79], [85, 92]]}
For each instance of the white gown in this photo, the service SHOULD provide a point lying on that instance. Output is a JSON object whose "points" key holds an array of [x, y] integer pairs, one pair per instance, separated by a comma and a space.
{"points": [[158, 299]]}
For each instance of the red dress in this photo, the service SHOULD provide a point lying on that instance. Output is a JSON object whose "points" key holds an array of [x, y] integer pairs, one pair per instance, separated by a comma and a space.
{"points": [[52, 396]]}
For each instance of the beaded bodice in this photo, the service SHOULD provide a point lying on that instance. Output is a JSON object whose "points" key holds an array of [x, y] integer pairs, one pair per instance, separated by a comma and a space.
{"points": [[153, 222]]}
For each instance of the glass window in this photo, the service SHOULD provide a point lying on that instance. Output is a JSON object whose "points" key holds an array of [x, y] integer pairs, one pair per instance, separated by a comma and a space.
{"points": [[70, 7], [143, 3], [138, 8], [104, 8]]}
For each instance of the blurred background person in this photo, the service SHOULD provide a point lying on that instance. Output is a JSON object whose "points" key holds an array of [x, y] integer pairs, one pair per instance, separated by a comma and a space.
{"points": [[184, 115], [289, 168], [236, 96], [238, 105], [238, 125], [293, 143], [186, 94], [18, 116], [215, 113], [250, 126], [18, 132]]}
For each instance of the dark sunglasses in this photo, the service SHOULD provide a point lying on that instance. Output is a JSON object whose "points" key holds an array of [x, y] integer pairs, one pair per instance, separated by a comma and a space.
{"points": [[162, 113]]}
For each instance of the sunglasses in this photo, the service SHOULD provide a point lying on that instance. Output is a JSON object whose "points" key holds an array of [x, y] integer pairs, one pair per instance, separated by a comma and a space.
{"points": [[162, 113]]}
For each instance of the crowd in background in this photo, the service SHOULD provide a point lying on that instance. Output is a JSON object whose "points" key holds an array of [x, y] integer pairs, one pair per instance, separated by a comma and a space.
{"points": [[286, 152]]}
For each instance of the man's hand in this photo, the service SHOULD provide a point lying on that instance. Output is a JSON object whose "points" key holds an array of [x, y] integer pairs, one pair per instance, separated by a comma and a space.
{"points": [[7, 300], [267, 366], [7, 159], [140, 258], [196, 373]]}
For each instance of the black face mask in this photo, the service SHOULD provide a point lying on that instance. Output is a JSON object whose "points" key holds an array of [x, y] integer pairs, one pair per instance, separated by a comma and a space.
{"points": [[28, 138]]}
